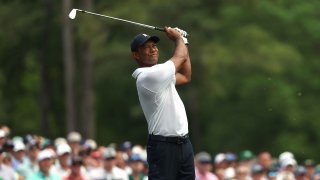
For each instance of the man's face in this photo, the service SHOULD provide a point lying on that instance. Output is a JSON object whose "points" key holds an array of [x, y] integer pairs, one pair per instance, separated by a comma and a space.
{"points": [[147, 55]]}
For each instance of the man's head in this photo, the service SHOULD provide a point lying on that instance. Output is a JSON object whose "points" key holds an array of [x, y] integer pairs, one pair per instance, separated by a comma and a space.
{"points": [[144, 50], [45, 160]]}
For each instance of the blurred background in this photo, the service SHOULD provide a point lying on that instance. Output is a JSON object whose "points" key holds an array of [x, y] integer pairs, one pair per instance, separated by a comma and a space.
{"points": [[255, 71]]}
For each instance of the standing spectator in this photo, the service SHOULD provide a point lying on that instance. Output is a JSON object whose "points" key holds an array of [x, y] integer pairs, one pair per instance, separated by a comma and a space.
{"points": [[6, 172], [74, 139], [110, 170], [62, 167], [203, 163], [137, 166], [75, 174], [45, 162]]}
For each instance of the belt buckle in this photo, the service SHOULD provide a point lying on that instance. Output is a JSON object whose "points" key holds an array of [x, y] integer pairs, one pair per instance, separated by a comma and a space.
{"points": [[179, 140]]}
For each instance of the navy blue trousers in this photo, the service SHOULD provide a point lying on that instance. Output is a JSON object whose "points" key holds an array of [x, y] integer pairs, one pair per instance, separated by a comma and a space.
{"points": [[170, 160]]}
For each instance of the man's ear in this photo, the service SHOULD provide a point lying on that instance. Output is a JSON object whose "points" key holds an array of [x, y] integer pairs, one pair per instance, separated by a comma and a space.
{"points": [[136, 55]]}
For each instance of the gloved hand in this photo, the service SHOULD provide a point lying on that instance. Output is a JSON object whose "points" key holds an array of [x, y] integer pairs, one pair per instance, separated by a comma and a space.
{"points": [[183, 35]]}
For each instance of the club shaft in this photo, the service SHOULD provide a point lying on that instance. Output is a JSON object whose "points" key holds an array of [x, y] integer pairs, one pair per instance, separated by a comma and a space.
{"points": [[123, 20]]}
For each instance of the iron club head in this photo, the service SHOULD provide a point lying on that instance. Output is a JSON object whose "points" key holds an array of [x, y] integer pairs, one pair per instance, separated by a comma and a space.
{"points": [[73, 13]]}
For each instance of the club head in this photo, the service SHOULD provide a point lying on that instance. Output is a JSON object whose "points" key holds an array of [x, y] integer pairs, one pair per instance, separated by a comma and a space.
{"points": [[73, 13]]}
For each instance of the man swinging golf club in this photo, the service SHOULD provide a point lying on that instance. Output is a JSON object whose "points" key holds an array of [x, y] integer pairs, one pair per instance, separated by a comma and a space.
{"points": [[169, 150]]}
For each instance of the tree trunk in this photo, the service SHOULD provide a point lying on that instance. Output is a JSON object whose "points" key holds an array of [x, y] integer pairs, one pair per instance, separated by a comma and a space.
{"points": [[69, 67], [45, 103], [87, 105]]}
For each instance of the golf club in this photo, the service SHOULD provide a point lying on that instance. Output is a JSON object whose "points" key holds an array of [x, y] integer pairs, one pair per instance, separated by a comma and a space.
{"points": [[73, 13]]}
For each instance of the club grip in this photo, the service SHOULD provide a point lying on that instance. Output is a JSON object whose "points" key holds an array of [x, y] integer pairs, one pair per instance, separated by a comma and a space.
{"points": [[159, 29], [162, 29]]}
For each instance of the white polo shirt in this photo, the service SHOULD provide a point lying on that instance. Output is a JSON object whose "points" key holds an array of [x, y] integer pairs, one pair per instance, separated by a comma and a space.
{"points": [[160, 101]]}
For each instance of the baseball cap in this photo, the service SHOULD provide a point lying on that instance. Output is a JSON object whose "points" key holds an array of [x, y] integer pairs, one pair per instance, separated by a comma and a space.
{"points": [[136, 157], [256, 168], [19, 146], [203, 157], [219, 158], [62, 149], [44, 154], [74, 137], [309, 163], [288, 162], [140, 39], [246, 155], [109, 153]]}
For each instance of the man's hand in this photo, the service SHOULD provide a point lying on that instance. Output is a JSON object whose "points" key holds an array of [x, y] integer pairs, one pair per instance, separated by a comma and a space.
{"points": [[183, 35]]}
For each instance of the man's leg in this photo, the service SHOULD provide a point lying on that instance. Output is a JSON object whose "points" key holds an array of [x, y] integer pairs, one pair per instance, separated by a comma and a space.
{"points": [[163, 160], [187, 168]]}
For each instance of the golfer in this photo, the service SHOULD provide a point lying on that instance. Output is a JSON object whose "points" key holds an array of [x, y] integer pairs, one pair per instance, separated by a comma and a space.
{"points": [[169, 150]]}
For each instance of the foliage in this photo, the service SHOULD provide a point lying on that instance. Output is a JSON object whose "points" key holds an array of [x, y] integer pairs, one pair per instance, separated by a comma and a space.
{"points": [[255, 68]]}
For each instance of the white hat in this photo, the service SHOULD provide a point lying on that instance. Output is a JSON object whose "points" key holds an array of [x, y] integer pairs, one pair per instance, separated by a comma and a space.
{"points": [[219, 158], [2, 133], [60, 140], [74, 137], [285, 155], [19, 146], [44, 154], [62, 149], [109, 152], [90, 143], [287, 162]]}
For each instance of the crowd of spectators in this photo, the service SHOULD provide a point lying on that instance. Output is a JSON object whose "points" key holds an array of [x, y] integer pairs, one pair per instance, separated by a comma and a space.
{"points": [[34, 157]]}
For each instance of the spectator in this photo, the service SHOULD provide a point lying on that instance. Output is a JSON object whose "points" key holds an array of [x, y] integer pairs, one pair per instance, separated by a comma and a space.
{"points": [[265, 160], [19, 154], [45, 162], [287, 169], [137, 167], [203, 163], [121, 161], [75, 174], [109, 170], [220, 164], [257, 172], [301, 173], [62, 167], [310, 168], [74, 140], [6, 172], [31, 165], [246, 158], [243, 172]]}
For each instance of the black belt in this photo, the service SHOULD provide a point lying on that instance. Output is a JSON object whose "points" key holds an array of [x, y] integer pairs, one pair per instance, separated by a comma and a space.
{"points": [[170, 139]]}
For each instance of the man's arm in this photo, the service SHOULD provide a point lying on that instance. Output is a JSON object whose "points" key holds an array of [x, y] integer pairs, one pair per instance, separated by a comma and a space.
{"points": [[180, 57], [183, 76]]}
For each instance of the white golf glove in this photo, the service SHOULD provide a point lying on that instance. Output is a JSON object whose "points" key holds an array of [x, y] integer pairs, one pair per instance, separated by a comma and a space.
{"points": [[183, 35]]}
